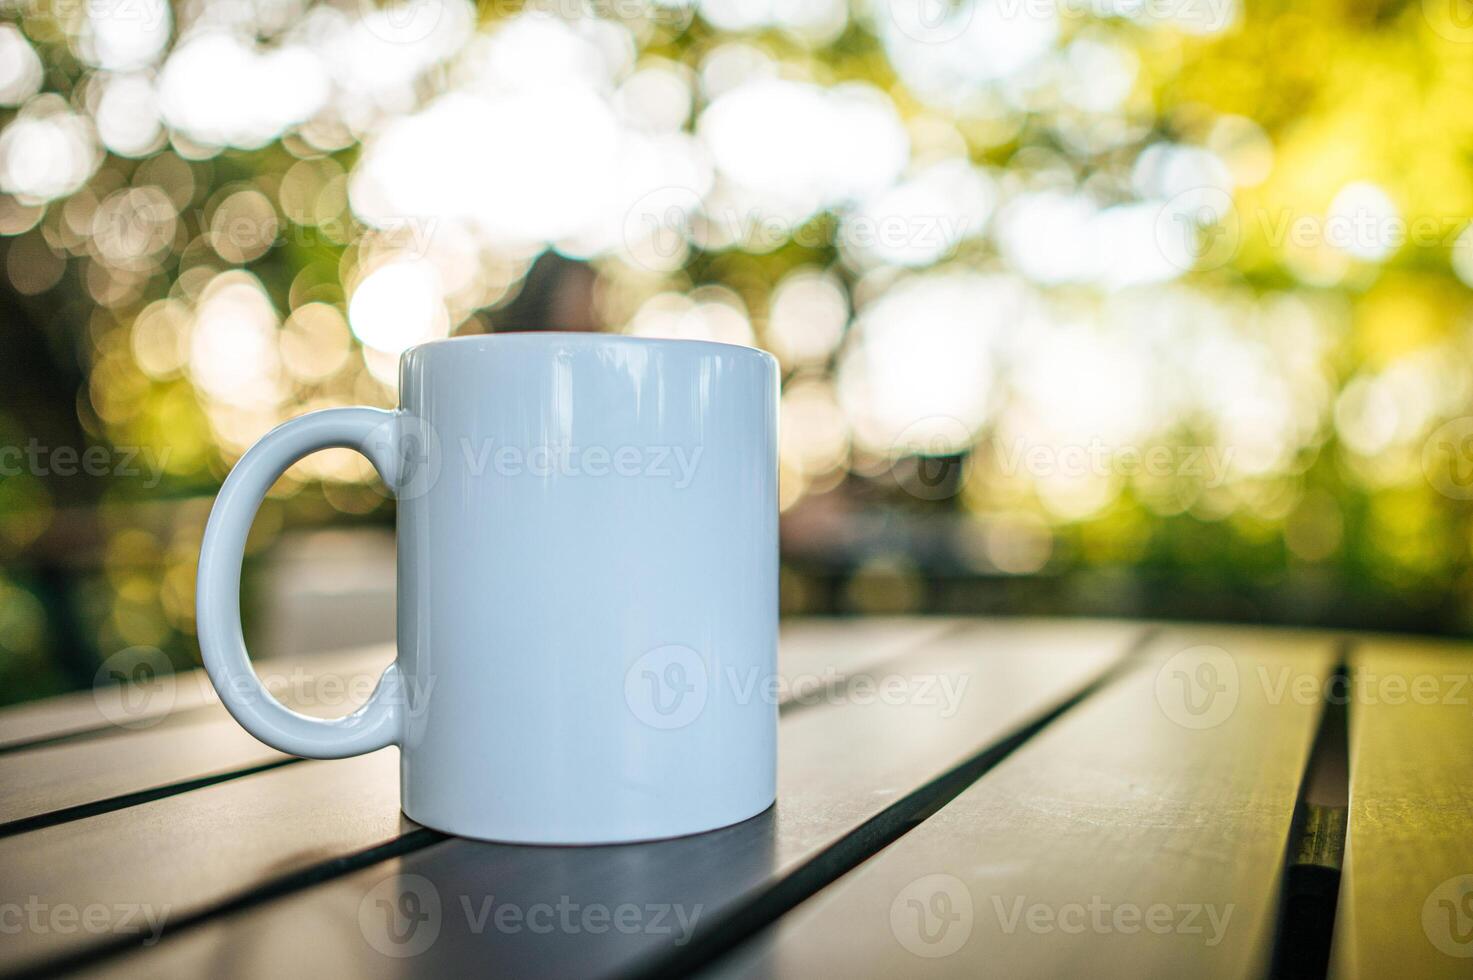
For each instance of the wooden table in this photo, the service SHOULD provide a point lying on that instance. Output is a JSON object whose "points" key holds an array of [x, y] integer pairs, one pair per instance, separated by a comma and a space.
{"points": [[957, 797]]}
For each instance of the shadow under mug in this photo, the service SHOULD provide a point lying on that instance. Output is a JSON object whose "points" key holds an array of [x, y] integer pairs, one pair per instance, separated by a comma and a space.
{"points": [[587, 586]]}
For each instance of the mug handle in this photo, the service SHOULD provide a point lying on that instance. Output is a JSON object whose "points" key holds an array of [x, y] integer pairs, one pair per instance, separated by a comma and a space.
{"points": [[375, 434]]}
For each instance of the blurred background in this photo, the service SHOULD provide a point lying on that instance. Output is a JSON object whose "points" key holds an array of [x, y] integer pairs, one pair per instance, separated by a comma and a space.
{"points": [[1120, 307]]}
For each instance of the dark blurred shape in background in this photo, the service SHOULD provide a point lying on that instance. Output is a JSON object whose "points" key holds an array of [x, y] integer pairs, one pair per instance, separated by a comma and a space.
{"points": [[1148, 308]]}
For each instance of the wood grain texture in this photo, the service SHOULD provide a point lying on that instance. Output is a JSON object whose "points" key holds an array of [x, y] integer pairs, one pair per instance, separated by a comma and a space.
{"points": [[1141, 834], [499, 909], [337, 681], [201, 848], [206, 742], [81, 712], [1406, 890], [59, 778], [813, 651], [306, 683], [203, 742], [171, 858]]}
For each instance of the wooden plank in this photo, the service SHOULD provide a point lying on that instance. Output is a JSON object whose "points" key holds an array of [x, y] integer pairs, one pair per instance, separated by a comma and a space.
{"points": [[204, 742], [58, 779], [1406, 888], [165, 860], [114, 709], [111, 709], [814, 655], [208, 743], [1140, 835], [818, 649], [80, 712], [847, 773]]}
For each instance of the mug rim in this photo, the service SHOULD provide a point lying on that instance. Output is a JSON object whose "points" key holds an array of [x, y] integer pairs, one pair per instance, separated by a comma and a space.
{"points": [[589, 337]]}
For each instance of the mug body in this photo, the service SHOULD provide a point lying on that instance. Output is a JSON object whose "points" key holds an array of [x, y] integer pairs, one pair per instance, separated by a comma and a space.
{"points": [[587, 534]]}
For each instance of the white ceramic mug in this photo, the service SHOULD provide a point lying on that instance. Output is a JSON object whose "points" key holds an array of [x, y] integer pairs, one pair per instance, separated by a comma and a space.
{"points": [[587, 535]]}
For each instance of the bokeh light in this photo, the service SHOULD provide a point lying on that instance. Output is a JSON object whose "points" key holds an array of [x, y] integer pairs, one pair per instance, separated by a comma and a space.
{"points": [[1162, 288]]}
